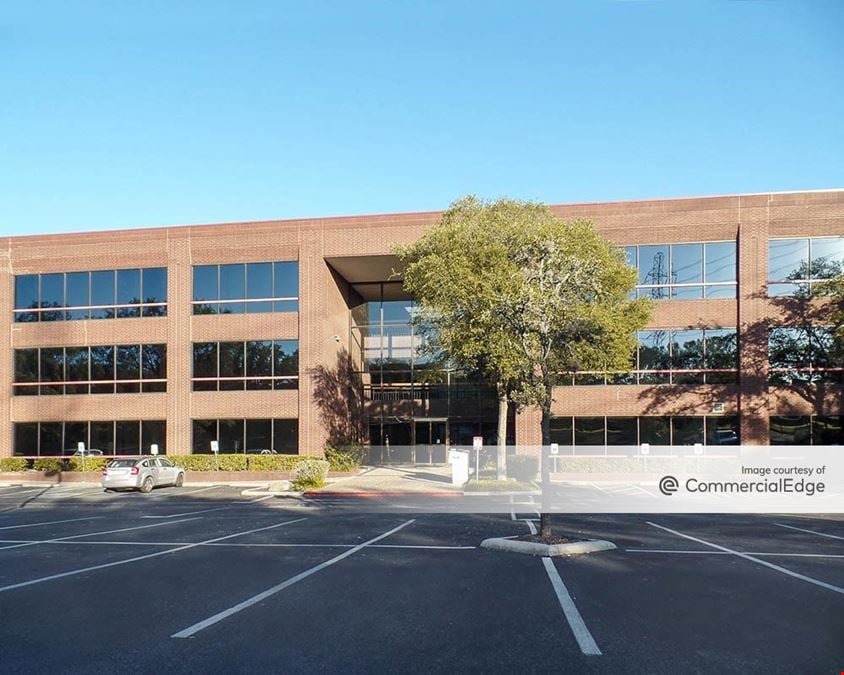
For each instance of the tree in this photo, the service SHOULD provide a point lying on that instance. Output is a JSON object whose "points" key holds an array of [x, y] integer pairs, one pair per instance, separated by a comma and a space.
{"points": [[528, 295]]}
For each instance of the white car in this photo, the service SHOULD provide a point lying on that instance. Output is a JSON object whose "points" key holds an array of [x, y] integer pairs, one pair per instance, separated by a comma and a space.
{"points": [[141, 473]]}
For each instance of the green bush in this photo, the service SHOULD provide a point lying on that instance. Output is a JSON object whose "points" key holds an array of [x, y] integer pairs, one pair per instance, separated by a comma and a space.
{"points": [[345, 457], [194, 462], [232, 462], [273, 462], [50, 464], [310, 474], [91, 463], [522, 467], [13, 464]]}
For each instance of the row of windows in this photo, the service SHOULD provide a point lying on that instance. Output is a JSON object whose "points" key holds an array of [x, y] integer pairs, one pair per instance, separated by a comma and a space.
{"points": [[91, 370], [676, 430], [105, 294], [802, 355], [684, 271], [246, 288], [807, 430], [698, 356], [254, 364], [246, 435], [794, 265], [120, 437]]}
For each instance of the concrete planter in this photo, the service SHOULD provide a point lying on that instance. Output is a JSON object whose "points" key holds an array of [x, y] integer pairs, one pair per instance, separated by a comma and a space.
{"points": [[534, 548]]}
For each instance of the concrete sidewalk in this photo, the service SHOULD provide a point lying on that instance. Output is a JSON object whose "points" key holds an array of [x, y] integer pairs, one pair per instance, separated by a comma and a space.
{"points": [[394, 480]]}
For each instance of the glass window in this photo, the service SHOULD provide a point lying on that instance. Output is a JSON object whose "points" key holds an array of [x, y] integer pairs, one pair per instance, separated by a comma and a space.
{"points": [[727, 291], [26, 291], [653, 356], [286, 436], [128, 368], [687, 430], [75, 433], [26, 365], [621, 431], [52, 369], [720, 262], [790, 430], [827, 430], [589, 431], [687, 354], [154, 367], [128, 292], [231, 436], [630, 255], [204, 431], [50, 439], [232, 286], [231, 365], [286, 363], [722, 431], [721, 352], [259, 364], [26, 439], [102, 436], [687, 263], [205, 365], [653, 265], [52, 295], [153, 431], [205, 282], [286, 280], [127, 437], [259, 285], [76, 369], [259, 434], [154, 289], [827, 257], [788, 259], [561, 430], [102, 368], [102, 293], [655, 430], [78, 294]]}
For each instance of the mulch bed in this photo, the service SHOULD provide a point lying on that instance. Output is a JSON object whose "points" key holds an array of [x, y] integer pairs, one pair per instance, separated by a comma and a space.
{"points": [[553, 541]]}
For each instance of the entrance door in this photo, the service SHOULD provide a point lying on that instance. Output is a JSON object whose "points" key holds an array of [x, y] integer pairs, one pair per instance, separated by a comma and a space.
{"points": [[430, 441]]}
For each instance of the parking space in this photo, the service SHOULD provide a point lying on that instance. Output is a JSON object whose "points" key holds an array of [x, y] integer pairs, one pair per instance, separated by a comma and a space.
{"points": [[216, 581]]}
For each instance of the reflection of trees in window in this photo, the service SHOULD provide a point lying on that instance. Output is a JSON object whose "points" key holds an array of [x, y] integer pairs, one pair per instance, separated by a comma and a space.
{"points": [[654, 356], [128, 368], [76, 366], [246, 287], [205, 365], [52, 370], [259, 365], [102, 368], [231, 365], [154, 367], [795, 264], [800, 355]]}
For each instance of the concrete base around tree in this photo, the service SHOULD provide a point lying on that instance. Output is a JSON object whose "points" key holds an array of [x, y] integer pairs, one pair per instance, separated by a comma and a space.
{"points": [[548, 550]]}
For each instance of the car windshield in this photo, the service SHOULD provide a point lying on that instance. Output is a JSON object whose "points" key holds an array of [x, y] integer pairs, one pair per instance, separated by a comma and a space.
{"points": [[117, 463]]}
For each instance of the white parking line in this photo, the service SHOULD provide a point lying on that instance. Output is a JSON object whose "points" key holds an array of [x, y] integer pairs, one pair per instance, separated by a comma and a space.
{"points": [[749, 557], [91, 534], [220, 616], [230, 545], [584, 638], [141, 557], [190, 513], [48, 522], [819, 534], [770, 555]]}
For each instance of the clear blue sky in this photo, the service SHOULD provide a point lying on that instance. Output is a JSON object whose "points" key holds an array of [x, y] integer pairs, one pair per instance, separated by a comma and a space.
{"points": [[170, 112]]}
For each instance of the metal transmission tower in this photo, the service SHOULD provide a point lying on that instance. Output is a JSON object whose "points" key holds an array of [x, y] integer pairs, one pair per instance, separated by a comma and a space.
{"points": [[658, 276]]}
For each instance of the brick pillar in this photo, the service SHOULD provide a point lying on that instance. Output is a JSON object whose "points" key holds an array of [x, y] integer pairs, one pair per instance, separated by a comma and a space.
{"points": [[7, 293], [179, 343], [752, 324]]}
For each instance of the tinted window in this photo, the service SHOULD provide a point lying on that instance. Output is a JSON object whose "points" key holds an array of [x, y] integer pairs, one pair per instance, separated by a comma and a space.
{"points": [[653, 355], [827, 257], [589, 431], [687, 430], [686, 354], [78, 294], [232, 282], [127, 438], [286, 279], [26, 365], [154, 366], [205, 282], [653, 265], [154, 282], [52, 369], [720, 262], [686, 263], [154, 431], [128, 292], [204, 431], [52, 290], [561, 430], [128, 367], [621, 431], [231, 365], [50, 438], [76, 368], [259, 284], [655, 430], [286, 436], [788, 259], [102, 436], [790, 430], [259, 434], [231, 436], [26, 291], [102, 293], [26, 438], [259, 363], [205, 365]]}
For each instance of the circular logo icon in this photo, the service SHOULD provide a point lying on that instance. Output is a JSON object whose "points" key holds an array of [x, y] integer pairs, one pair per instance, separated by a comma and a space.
{"points": [[668, 485]]}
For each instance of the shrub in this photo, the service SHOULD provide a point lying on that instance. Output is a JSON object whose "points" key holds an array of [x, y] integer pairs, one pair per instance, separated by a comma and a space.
{"points": [[194, 462], [522, 467], [232, 462], [50, 464], [13, 464], [273, 462], [91, 463], [344, 457], [310, 474]]}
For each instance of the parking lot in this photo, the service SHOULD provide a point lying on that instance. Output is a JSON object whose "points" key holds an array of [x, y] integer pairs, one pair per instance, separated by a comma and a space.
{"points": [[203, 579]]}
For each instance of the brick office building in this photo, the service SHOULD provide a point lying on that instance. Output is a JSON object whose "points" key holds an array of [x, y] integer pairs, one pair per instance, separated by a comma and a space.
{"points": [[276, 334]]}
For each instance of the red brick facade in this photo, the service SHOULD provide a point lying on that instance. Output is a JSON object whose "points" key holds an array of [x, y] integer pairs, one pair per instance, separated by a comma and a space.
{"points": [[323, 312]]}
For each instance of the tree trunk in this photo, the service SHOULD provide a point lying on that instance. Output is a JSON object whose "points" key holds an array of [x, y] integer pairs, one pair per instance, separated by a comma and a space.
{"points": [[545, 463], [503, 406]]}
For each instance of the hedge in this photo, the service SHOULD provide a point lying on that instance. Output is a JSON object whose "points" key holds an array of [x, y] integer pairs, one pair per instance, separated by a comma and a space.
{"points": [[256, 462], [310, 474], [522, 467], [95, 463], [13, 464], [50, 464]]}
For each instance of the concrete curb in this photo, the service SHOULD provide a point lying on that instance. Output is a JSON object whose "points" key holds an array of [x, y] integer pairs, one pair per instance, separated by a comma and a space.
{"points": [[526, 493], [532, 548]]}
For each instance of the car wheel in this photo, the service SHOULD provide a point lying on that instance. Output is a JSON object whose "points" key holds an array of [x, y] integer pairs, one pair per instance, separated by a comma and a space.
{"points": [[180, 480], [147, 485]]}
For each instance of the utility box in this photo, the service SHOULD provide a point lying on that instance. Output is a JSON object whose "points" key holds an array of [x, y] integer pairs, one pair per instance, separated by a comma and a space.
{"points": [[459, 461]]}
